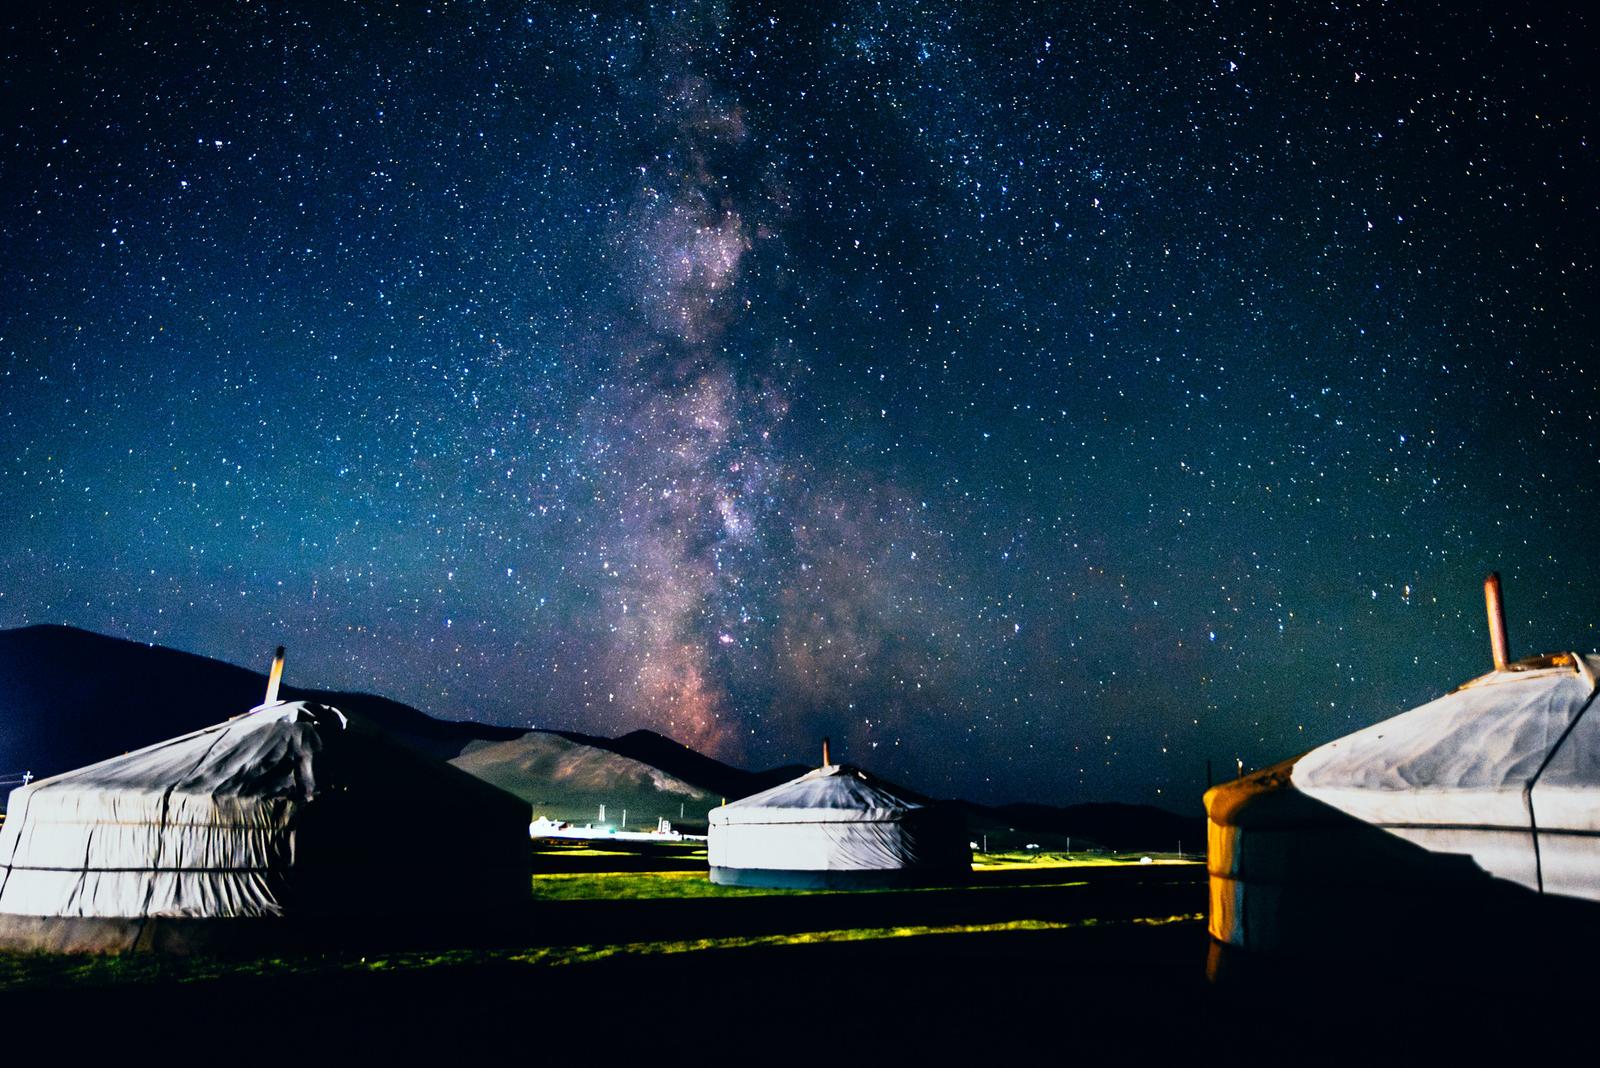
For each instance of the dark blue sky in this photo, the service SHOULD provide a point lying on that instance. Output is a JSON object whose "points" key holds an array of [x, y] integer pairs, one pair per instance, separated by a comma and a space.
{"points": [[1040, 401]]}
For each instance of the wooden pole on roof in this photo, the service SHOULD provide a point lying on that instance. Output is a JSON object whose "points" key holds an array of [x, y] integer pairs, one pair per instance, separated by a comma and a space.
{"points": [[274, 677], [825, 760], [1497, 620]]}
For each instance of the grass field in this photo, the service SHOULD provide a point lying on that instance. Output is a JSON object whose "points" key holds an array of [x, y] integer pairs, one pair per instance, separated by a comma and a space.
{"points": [[1039, 957], [640, 929], [582, 916], [633, 886], [1042, 859], [58, 971], [592, 885]]}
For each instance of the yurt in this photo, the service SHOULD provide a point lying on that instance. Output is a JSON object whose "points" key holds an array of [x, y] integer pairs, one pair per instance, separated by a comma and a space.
{"points": [[289, 817], [836, 827], [1399, 830]]}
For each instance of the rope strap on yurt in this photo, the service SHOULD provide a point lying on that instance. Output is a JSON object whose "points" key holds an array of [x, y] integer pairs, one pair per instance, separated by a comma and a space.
{"points": [[1581, 666], [161, 827], [16, 841]]}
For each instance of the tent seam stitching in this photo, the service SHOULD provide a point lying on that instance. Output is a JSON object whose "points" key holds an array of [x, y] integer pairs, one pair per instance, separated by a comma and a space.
{"points": [[1527, 789], [161, 827]]}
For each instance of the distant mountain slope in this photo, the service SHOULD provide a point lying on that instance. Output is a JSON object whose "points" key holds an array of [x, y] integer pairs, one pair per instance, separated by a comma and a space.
{"points": [[724, 780], [569, 780], [70, 697]]}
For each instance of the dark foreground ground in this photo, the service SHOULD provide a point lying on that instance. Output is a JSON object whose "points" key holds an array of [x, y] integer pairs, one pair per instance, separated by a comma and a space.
{"points": [[1107, 963]]}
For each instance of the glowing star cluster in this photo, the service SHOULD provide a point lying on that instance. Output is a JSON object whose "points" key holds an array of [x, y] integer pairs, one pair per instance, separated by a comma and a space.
{"points": [[685, 423]]}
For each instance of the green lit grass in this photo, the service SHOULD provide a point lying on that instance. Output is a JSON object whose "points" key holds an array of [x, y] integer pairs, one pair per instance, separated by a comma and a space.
{"points": [[1046, 859], [19, 971], [35, 971], [634, 886], [559, 955], [588, 851]]}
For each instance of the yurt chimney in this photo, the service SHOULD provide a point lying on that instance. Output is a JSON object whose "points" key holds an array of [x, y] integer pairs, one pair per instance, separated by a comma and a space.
{"points": [[274, 677], [1497, 620], [825, 760]]}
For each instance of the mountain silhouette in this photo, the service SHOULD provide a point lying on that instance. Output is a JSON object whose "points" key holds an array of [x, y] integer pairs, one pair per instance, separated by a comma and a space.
{"points": [[70, 697]]}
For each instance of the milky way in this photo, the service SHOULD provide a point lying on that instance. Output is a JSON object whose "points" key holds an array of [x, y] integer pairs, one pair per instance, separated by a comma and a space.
{"points": [[1042, 403]]}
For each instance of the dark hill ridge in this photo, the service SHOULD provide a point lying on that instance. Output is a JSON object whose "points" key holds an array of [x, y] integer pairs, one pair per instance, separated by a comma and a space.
{"points": [[684, 763], [70, 697]]}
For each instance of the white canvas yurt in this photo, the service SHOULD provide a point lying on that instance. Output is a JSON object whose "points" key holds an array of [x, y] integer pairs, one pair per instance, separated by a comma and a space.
{"points": [[836, 827], [292, 811], [1405, 825]]}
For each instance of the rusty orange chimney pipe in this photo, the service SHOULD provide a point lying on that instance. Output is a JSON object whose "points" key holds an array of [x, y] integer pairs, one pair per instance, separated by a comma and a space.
{"points": [[1497, 620], [274, 677], [825, 760]]}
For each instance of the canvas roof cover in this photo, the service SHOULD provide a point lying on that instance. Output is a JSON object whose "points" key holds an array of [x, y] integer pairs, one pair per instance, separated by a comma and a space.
{"points": [[290, 809], [1491, 789], [1515, 752], [836, 793], [1467, 755], [836, 819]]}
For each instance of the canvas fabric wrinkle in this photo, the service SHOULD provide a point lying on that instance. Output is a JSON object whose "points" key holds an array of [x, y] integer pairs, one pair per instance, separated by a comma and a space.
{"points": [[1465, 758]]}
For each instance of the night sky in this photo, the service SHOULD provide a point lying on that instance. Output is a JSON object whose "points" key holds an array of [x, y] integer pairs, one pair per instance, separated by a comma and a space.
{"points": [[1040, 399]]}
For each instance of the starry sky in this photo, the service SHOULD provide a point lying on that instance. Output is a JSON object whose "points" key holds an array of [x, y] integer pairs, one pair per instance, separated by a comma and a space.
{"points": [[1040, 399]]}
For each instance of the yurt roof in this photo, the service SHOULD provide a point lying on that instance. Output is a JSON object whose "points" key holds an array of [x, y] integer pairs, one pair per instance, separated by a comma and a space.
{"points": [[834, 793], [1469, 754], [209, 825], [267, 752], [286, 750]]}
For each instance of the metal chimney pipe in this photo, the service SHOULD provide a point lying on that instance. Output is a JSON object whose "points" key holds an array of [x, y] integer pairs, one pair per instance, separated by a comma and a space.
{"points": [[825, 760], [1497, 620], [274, 677]]}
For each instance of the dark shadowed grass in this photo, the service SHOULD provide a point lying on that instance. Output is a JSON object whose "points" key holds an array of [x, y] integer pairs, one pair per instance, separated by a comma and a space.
{"points": [[582, 917], [59, 971]]}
